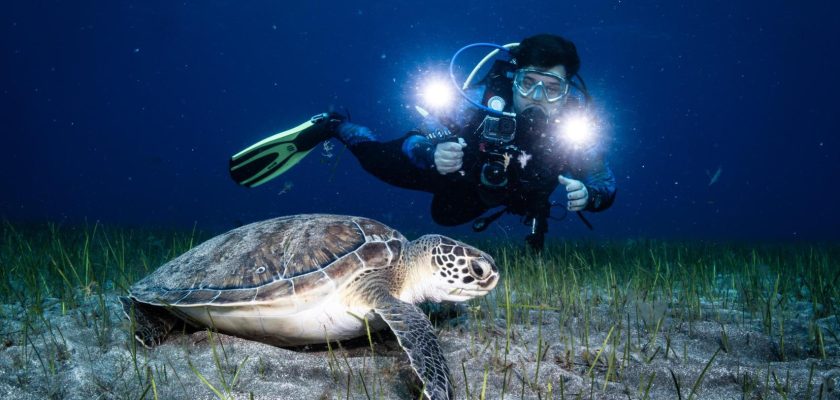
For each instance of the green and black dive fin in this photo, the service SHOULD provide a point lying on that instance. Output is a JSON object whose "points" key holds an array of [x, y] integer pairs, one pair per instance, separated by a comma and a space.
{"points": [[274, 155]]}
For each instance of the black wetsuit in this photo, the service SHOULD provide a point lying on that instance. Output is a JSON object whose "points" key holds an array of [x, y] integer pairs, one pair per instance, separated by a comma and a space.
{"points": [[461, 197]]}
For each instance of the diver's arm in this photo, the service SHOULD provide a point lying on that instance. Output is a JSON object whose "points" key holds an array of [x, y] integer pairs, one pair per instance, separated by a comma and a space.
{"points": [[444, 157], [599, 180], [421, 144], [601, 187], [420, 151], [433, 146]]}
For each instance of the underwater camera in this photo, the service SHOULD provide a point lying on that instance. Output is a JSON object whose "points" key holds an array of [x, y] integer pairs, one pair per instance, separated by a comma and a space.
{"points": [[504, 140], [494, 169], [496, 134]]}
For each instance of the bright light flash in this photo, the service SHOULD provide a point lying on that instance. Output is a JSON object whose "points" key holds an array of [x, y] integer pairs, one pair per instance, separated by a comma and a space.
{"points": [[437, 93], [579, 130]]}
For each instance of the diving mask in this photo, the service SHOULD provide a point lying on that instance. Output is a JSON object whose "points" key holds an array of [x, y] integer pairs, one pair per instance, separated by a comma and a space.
{"points": [[534, 83]]}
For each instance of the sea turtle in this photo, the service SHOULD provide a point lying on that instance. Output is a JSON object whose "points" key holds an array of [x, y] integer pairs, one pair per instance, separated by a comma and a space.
{"points": [[315, 278]]}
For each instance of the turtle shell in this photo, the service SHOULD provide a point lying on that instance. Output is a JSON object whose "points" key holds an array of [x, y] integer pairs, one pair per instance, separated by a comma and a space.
{"points": [[273, 259]]}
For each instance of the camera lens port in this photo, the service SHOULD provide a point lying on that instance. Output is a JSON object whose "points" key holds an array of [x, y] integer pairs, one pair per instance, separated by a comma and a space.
{"points": [[493, 173]]}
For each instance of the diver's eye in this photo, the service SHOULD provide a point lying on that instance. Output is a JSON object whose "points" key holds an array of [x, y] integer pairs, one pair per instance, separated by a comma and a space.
{"points": [[554, 90], [528, 83]]}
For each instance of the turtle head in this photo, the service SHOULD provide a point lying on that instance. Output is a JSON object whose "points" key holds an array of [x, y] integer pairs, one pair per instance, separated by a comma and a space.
{"points": [[443, 269]]}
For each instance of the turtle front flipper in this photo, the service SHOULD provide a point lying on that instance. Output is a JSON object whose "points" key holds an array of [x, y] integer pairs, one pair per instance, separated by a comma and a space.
{"points": [[151, 323], [417, 337]]}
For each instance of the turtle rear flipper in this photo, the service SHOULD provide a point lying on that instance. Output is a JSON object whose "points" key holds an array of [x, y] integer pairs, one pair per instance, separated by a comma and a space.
{"points": [[417, 337], [151, 323]]}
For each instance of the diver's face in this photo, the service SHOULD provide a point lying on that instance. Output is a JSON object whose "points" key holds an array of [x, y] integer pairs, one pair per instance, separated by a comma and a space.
{"points": [[521, 103]]}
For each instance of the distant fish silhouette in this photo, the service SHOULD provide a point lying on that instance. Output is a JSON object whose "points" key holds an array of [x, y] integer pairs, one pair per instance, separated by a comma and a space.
{"points": [[714, 178], [287, 187]]}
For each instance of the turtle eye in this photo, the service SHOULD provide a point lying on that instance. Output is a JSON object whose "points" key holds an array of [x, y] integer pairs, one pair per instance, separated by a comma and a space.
{"points": [[477, 268], [480, 268]]}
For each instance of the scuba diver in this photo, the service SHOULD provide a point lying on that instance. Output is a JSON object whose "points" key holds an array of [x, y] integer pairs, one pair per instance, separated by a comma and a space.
{"points": [[509, 144]]}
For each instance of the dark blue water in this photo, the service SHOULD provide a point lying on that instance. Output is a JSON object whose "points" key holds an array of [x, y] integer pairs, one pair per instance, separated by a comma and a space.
{"points": [[127, 112]]}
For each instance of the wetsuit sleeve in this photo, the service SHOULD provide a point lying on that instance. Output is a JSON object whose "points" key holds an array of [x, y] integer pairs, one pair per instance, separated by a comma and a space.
{"points": [[420, 144], [420, 151], [594, 172]]}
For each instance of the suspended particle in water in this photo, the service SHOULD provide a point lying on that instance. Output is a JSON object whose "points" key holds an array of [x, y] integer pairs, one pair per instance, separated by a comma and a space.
{"points": [[327, 150]]}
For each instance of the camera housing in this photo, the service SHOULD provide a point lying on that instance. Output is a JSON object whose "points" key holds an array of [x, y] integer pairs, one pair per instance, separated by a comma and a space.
{"points": [[499, 130], [496, 135]]}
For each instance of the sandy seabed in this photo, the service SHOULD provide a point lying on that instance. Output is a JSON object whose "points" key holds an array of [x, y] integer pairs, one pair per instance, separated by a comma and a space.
{"points": [[85, 353]]}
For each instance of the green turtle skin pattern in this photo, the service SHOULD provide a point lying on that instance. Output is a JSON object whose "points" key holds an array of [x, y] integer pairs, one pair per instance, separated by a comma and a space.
{"points": [[417, 337]]}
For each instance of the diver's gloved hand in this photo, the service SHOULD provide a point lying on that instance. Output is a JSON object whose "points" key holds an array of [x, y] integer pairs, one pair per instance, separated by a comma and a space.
{"points": [[449, 156], [576, 193]]}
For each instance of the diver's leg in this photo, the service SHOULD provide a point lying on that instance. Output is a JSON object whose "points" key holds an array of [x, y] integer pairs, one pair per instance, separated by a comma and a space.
{"points": [[386, 160]]}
